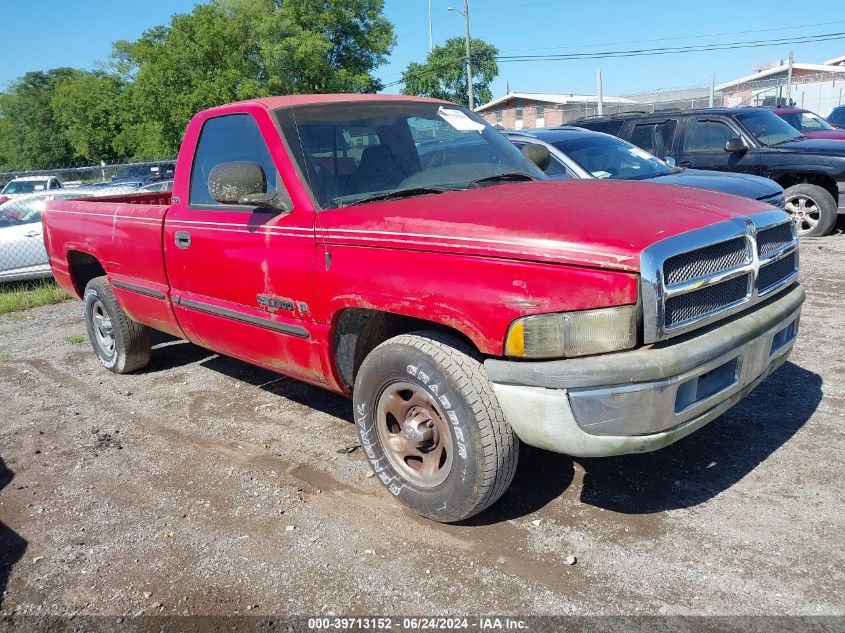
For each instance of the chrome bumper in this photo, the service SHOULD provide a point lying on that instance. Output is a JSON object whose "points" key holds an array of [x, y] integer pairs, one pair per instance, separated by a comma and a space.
{"points": [[642, 400]]}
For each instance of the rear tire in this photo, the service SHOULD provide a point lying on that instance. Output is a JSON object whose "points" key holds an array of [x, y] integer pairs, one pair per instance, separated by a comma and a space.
{"points": [[431, 426], [121, 344], [812, 207]]}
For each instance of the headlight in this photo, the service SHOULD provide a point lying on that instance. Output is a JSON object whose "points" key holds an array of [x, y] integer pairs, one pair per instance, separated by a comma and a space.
{"points": [[573, 333]]}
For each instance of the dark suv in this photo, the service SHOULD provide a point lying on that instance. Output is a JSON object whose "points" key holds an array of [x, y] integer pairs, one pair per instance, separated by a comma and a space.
{"points": [[747, 140]]}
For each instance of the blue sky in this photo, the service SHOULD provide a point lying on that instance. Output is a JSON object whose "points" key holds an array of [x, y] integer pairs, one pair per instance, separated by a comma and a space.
{"points": [[41, 34]]}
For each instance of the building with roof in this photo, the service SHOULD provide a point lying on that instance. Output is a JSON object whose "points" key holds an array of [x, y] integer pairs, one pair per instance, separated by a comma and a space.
{"points": [[516, 110], [814, 86]]}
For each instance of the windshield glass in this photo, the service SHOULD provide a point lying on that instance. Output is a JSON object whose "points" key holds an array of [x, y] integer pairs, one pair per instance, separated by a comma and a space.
{"points": [[768, 128], [610, 157], [25, 186], [350, 152], [806, 121]]}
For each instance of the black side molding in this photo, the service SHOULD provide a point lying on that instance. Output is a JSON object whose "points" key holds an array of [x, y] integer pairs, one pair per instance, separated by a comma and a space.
{"points": [[267, 324], [141, 290]]}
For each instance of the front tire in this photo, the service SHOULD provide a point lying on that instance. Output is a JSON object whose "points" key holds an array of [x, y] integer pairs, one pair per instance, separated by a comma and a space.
{"points": [[812, 207], [121, 344], [431, 427]]}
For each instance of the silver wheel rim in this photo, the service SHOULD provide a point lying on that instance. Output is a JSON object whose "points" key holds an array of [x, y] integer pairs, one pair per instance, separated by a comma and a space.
{"points": [[103, 328], [415, 436], [805, 212]]}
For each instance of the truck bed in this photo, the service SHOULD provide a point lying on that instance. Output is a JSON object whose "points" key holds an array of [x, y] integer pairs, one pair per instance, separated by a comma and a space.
{"points": [[124, 233]]}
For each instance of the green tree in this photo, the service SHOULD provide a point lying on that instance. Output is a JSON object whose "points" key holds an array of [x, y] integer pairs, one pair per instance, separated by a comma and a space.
{"points": [[230, 50], [30, 136], [86, 107], [443, 75]]}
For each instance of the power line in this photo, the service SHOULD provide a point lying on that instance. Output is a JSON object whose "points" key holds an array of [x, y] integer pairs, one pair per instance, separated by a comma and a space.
{"points": [[824, 37], [644, 52], [679, 37]]}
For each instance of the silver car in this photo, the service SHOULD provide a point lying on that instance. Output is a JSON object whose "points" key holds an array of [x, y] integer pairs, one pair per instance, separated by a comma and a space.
{"points": [[22, 252]]}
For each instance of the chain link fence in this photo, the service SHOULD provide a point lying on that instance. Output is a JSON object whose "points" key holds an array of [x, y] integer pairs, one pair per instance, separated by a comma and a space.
{"points": [[819, 92], [24, 195]]}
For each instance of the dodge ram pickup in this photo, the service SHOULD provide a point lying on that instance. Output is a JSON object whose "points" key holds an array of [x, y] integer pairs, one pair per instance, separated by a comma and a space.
{"points": [[462, 300]]}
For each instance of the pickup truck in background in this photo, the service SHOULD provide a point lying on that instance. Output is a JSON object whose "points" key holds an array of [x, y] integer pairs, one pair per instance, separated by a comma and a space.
{"points": [[462, 300], [749, 141]]}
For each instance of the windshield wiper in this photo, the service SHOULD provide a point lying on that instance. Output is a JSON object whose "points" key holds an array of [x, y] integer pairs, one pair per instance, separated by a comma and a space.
{"points": [[787, 140], [396, 194], [508, 176]]}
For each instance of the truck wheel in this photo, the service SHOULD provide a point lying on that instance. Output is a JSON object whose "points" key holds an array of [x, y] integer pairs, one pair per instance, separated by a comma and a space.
{"points": [[431, 426], [813, 209], [121, 344]]}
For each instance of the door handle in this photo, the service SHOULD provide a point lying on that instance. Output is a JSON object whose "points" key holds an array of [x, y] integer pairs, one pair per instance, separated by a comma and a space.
{"points": [[685, 163], [183, 239]]}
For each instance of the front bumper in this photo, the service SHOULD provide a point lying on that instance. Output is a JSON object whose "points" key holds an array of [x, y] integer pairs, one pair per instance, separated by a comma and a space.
{"points": [[648, 398]]}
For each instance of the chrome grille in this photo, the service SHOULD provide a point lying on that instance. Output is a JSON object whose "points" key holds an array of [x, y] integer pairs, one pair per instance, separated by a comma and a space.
{"points": [[693, 305], [774, 239], [706, 261], [772, 274], [695, 278]]}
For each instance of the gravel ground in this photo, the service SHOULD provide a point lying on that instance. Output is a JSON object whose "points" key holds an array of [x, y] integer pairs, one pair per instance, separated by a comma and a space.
{"points": [[206, 486]]}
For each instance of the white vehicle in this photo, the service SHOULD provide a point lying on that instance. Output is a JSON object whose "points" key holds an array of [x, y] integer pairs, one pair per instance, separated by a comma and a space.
{"points": [[26, 185], [22, 252], [162, 185]]}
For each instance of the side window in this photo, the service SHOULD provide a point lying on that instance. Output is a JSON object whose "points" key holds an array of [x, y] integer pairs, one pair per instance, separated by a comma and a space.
{"points": [[556, 170], [664, 137], [707, 136], [643, 137], [226, 139]]}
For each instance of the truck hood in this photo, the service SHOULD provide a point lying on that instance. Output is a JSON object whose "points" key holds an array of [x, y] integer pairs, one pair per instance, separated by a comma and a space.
{"points": [[745, 185], [595, 223], [826, 134], [825, 147]]}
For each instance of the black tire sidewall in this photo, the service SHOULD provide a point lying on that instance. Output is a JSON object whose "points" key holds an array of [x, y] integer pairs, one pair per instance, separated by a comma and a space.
{"points": [[454, 498], [92, 294]]}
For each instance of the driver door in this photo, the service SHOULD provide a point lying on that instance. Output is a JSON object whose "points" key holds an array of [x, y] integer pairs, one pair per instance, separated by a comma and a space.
{"points": [[242, 275]]}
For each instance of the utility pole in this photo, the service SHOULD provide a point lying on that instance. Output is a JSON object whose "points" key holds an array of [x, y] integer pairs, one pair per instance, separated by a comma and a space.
{"points": [[430, 39], [789, 79], [712, 89], [465, 13], [599, 102]]}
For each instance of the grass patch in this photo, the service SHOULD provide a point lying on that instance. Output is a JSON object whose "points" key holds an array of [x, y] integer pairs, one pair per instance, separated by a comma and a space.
{"points": [[15, 297], [3, 357], [76, 339]]}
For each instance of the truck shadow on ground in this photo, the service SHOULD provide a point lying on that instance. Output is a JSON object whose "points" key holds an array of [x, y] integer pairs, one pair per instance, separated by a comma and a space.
{"points": [[712, 459], [685, 474], [12, 544]]}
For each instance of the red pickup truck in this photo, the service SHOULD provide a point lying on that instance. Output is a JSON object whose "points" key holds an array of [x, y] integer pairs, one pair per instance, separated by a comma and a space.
{"points": [[402, 252]]}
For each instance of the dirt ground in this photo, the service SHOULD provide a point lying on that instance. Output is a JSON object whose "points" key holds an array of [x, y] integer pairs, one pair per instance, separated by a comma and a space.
{"points": [[203, 485]]}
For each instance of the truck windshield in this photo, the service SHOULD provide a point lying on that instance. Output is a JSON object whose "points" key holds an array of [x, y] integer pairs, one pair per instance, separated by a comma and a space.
{"points": [[353, 152], [25, 186], [609, 157], [768, 128]]}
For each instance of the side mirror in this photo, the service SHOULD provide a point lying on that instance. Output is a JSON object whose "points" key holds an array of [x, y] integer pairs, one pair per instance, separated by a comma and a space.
{"points": [[537, 154], [669, 160], [242, 182], [735, 145]]}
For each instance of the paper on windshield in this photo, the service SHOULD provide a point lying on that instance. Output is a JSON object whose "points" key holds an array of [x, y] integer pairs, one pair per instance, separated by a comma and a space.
{"points": [[636, 151], [459, 120]]}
